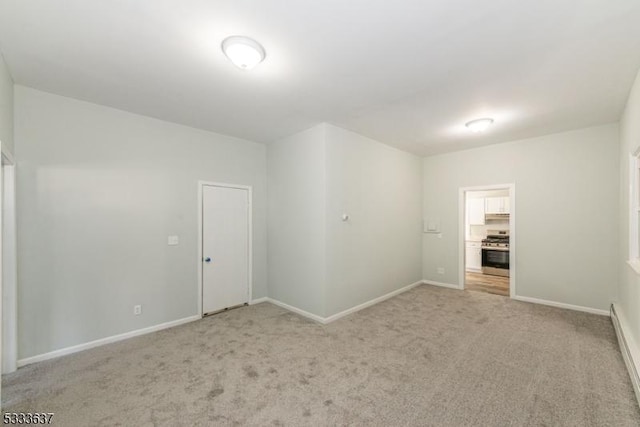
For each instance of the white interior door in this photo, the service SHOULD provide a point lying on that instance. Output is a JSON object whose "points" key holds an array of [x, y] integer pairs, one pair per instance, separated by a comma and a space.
{"points": [[225, 247]]}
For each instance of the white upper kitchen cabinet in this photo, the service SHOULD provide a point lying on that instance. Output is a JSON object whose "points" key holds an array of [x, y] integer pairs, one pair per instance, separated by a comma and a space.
{"points": [[506, 205], [496, 205], [475, 211]]}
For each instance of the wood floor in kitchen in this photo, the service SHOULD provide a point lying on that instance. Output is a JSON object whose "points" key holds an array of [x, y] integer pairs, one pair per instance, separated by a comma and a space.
{"points": [[486, 283]]}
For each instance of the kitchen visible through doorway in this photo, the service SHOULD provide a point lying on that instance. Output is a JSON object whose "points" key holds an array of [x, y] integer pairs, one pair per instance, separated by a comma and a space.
{"points": [[487, 240]]}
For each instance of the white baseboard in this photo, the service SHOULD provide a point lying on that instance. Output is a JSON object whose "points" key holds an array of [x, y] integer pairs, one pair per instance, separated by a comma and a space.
{"points": [[532, 300], [561, 305], [628, 347], [371, 302], [442, 285], [297, 310], [333, 317], [120, 337], [103, 341]]}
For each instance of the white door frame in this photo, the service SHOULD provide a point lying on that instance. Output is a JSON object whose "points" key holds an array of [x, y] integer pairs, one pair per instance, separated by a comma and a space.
{"points": [[8, 266], [512, 232], [201, 185]]}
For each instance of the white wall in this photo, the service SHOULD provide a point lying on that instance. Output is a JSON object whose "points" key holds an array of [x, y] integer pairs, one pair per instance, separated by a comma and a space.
{"points": [[566, 212], [296, 177], [378, 250], [319, 263], [629, 288], [99, 191], [6, 106]]}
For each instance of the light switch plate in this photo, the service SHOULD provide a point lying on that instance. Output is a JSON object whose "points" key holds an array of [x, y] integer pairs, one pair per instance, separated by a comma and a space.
{"points": [[172, 240], [431, 225]]}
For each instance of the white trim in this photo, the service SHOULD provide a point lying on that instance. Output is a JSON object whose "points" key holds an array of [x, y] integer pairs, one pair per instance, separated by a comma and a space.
{"points": [[443, 285], [1, 267], [369, 303], [103, 341], [199, 240], [462, 215], [628, 347], [513, 236], [334, 317], [532, 300], [488, 187], [9, 268], [259, 300], [561, 305], [512, 231], [634, 204], [635, 265], [296, 310], [249, 189]]}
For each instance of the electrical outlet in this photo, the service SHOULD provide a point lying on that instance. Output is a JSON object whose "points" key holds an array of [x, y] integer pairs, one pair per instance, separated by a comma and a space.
{"points": [[137, 310], [440, 270], [172, 240]]}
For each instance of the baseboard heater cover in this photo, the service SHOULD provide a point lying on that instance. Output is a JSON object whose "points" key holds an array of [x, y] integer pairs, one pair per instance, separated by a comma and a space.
{"points": [[627, 353]]}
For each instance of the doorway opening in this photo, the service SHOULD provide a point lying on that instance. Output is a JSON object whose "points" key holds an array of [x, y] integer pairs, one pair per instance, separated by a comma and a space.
{"points": [[487, 230]]}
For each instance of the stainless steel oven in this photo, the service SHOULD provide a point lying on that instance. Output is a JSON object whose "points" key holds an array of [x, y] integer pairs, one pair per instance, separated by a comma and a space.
{"points": [[495, 253]]}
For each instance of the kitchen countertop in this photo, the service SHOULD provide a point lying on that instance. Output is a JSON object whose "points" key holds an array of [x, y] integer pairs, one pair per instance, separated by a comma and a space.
{"points": [[474, 239]]}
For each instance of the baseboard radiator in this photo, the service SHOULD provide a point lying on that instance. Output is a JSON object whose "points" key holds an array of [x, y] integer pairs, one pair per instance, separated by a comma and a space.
{"points": [[628, 354]]}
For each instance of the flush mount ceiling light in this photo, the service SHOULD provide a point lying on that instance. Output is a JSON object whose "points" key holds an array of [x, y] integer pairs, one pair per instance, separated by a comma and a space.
{"points": [[479, 125], [244, 52]]}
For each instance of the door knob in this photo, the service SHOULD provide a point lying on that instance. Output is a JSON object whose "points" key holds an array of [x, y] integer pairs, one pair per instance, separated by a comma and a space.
{"points": [[207, 259]]}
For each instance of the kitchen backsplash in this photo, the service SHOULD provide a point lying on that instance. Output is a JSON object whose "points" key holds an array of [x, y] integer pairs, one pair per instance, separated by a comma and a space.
{"points": [[481, 230]]}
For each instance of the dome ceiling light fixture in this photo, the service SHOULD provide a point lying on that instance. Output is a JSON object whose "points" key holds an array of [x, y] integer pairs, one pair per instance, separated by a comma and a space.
{"points": [[245, 53], [479, 125]]}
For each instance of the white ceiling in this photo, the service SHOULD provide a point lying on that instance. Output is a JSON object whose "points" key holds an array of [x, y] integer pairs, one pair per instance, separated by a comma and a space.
{"points": [[407, 73]]}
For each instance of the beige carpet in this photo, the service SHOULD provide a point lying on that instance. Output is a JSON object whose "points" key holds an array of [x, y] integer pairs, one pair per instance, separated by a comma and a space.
{"points": [[429, 357]]}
